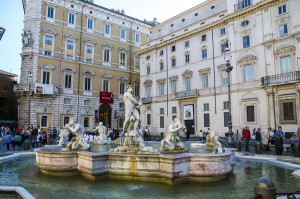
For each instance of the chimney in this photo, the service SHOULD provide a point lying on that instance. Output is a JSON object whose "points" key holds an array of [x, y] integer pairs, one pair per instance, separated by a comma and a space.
{"points": [[155, 21]]}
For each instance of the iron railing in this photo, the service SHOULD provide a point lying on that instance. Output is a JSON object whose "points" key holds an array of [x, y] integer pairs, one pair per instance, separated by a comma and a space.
{"points": [[187, 94], [242, 4], [281, 78], [146, 100]]}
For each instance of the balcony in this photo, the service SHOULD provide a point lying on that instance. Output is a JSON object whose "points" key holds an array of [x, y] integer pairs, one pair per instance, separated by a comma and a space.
{"points": [[242, 4], [283, 78], [187, 94], [147, 100]]}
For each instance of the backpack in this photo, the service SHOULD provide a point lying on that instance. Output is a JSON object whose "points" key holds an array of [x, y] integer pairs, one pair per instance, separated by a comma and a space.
{"points": [[41, 138]]}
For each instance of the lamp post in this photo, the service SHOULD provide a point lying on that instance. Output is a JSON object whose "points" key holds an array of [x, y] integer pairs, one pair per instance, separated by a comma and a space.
{"points": [[2, 30], [227, 58], [29, 91]]}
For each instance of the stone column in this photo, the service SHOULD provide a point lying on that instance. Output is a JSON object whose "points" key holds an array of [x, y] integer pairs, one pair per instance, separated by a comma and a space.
{"points": [[271, 122]]}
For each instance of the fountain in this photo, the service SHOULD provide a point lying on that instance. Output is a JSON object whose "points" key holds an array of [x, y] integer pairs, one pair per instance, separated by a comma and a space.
{"points": [[133, 158]]}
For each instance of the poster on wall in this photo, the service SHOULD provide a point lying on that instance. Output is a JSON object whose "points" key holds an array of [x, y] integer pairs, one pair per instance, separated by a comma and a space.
{"points": [[188, 112], [39, 89], [46, 89]]}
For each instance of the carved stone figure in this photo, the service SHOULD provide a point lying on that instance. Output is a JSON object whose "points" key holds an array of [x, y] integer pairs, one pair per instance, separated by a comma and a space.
{"points": [[64, 137], [171, 141], [27, 40], [78, 142], [102, 139], [212, 140]]}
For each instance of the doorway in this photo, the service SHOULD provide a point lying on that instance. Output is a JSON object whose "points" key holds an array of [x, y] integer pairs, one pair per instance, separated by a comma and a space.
{"points": [[190, 126], [105, 114]]}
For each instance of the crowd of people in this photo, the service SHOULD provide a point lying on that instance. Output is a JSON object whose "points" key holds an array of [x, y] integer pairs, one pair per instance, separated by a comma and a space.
{"points": [[16, 136]]}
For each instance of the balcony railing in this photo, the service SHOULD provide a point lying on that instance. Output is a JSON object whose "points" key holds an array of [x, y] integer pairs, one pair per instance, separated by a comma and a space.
{"points": [[242, 4], [146, 100], [187, 94], [281, 78]]}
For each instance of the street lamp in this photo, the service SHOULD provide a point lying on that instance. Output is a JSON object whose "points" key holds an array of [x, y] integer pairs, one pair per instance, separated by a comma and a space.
{"points": [[2, 30], [29, 91], [227, 58]]}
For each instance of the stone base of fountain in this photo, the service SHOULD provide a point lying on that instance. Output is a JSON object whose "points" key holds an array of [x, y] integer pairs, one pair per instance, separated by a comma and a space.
{"points": [[156, 167]]}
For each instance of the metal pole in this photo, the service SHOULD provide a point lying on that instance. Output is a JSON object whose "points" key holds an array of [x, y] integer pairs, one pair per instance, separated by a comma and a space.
{"points": [[230, 133], [29, 91]]}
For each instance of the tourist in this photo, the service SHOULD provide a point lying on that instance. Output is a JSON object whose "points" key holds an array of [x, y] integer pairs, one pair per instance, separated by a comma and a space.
{"points": [[18, 140], [2, 130], [187, 135], [258, 135], [148, 133], [145, 135], [294, 139], [54, 133], [7, 139], [44, 138], [247, 136], [253, 134], [266, 139], [279, 135], [201, 136], [39, 138], [91, 137]]}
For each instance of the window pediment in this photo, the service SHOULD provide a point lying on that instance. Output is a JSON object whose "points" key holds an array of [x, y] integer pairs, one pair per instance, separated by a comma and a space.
{"points": [[50, 31], [148, 82], [204, 47], [122, 78], [90, 41], [123, 50], [163, 80], [48, 66], [107, 75], [136, 81], [223, 41], [68, 69], [173, 78], [187, 73], [107, 46], [285, 50], [204, 71], [247, 59], [70, 36], [222, 67], [88, 72]]}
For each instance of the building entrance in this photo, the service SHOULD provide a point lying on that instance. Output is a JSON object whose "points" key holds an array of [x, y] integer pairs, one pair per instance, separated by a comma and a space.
{"points": [[190, 126], [105, 114]]}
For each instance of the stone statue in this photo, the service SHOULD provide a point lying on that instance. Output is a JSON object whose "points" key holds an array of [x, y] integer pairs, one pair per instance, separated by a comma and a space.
{"points": [[131, 139], [212, 140], [63, 137], [102, 139], [171, 141], [27, 40], [78, 142]]}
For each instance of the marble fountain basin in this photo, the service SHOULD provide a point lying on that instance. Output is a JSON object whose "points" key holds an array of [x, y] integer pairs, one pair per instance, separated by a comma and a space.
{"points": [[155, 167]]}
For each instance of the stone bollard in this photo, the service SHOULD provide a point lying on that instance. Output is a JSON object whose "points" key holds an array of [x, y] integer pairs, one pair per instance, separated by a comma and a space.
{"points": [[27, 144], [238, 146], [297, 150], [265, 187], [258, 149]]}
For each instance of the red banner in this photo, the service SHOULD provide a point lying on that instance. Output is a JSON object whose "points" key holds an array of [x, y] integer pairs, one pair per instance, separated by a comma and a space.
{"points": [[106, 97]]}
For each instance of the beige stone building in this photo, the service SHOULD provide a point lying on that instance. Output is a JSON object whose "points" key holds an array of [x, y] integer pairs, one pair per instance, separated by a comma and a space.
{"points": [[183, 71], [75, 51]]}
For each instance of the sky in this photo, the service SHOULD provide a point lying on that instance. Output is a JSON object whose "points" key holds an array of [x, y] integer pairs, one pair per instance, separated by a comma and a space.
{"points": [[12, 21]]}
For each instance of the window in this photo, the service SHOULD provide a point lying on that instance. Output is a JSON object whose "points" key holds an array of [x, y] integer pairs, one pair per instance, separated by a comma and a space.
{"points": [[161, 52], [89, 54], [173, 84], [45, 99], [204, 53], [161, 66], [72, 18], [243, 4], [250, 114], [68, 81], [223, 47], [122, 88], [148, 70], [206, 120], [123, 34], [122, 59], [50, 12], [148, 119], [66, 120], [206, 107], [87, 102], [187, 58], [137, 38], [225, 105], [44, 121], [287, 112], [86, 123], [283, 30], [87, 84], [245, 23], [204, 81], [48, 45], [187, 44], [67, 101], [248, 73], [161, 122], [161, 111], [285, 63], [226, 119], [173, 60], [46, 77], [105, 86], [188, 84], [173, 117], [106, 55], [70, 50], [121, 105], [121, 122], [246, 42], [90, 24], [203, 38], [137, 90], [137, 62], [162, 89], [174, 109], [107, 29], [282, 9], [148, 91], [173, 48], [224, 78], [222, 31]]}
